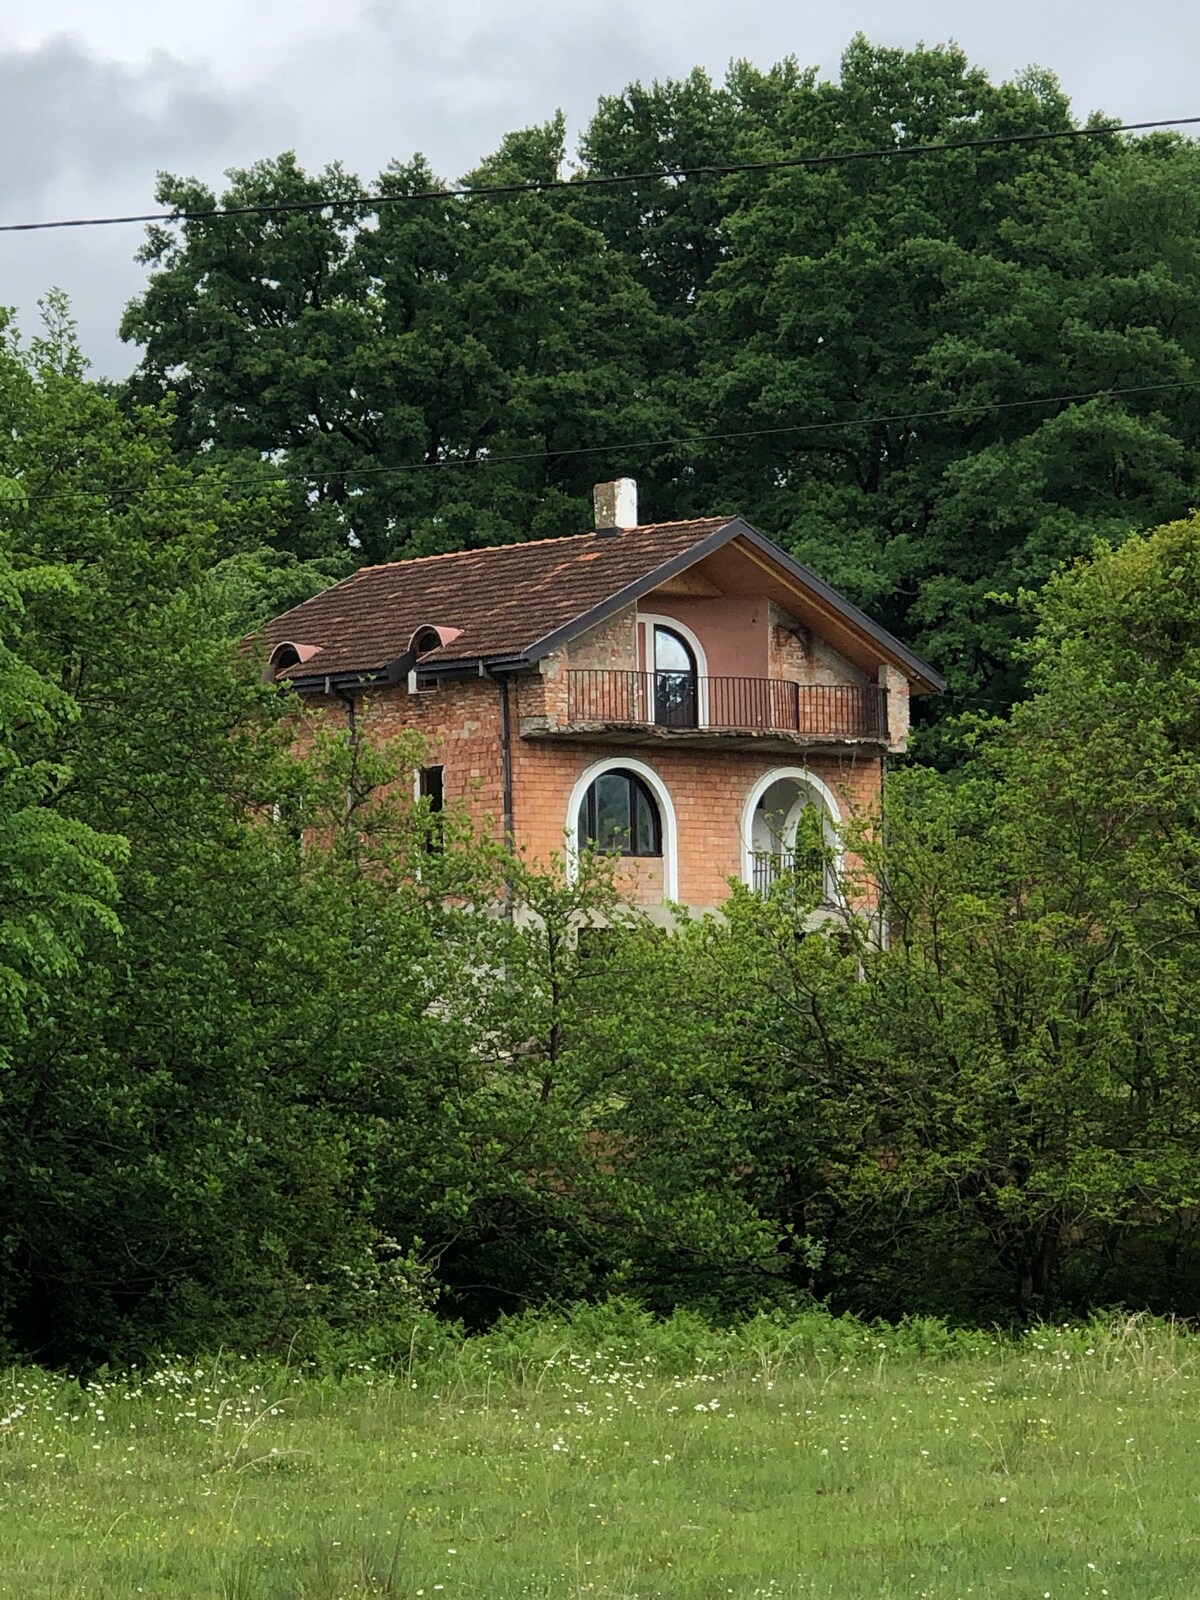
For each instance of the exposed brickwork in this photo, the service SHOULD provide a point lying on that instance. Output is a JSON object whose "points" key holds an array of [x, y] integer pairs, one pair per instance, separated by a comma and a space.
{"points": [[790, 649], [459, 723], [708, 789], [612, 647], [896, 685], [796, 653]]}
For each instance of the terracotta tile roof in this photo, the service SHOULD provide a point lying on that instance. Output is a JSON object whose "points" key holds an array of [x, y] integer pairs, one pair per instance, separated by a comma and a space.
{"points": [[504, 598]]}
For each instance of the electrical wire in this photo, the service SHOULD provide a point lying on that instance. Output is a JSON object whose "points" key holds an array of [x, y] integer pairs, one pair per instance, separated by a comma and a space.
{"points": [[629, 447], [371, 202]]}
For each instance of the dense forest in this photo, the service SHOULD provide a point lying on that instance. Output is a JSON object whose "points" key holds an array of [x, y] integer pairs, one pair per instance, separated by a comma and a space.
{"points": [[808, 320], [266, 1084]]}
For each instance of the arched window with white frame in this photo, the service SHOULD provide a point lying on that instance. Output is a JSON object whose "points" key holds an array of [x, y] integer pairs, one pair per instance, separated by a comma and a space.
{"points": [[622, 806], [790, 826], [676, 673]]}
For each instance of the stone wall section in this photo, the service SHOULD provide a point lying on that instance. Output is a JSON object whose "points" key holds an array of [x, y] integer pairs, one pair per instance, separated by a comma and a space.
{"points": [[795, 652], [896, 684], [608, 647]]}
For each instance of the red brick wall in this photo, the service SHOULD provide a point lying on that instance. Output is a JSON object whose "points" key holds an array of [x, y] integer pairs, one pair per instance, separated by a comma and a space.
{"points": [[708, 789], [460, 722], [897, 688]]}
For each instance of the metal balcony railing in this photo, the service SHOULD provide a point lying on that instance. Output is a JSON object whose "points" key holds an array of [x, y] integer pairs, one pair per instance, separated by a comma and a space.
{"points": [[769, 866], [751, 705], [809, 874]]}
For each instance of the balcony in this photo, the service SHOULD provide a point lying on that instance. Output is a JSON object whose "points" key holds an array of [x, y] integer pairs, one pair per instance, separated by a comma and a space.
{"points": [[681, 707]]}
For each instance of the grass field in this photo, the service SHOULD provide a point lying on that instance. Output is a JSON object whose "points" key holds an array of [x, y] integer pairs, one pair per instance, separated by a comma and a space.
{"points": [[610, 1457]]}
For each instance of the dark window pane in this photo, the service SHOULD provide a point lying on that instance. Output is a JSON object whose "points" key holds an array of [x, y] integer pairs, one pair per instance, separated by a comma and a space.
{"points": [[432, 787], [613, 820], [675, 681], [432, 790], [647, 824], [618, 813], [675, 700]]}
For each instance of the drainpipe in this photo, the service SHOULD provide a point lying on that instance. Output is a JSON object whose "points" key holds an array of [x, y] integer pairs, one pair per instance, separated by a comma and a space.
{"points": [[884, 887], [348, 701], [506, 773], [352, 735]]}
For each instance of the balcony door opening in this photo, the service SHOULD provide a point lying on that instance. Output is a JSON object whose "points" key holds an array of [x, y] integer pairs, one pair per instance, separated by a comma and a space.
{"points": [[790, 831], [676, 680]]}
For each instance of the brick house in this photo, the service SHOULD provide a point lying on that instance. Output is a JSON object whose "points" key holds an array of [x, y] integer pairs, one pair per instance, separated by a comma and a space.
{"points": [[684, 693]]}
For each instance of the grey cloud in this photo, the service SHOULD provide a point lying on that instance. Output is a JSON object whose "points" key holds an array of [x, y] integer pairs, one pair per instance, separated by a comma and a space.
{"points": [[83, 133], [83, 136], [67, 117]]}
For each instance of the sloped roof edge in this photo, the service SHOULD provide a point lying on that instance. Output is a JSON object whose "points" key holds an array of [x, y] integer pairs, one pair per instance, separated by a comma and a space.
{"points": [[738, 528]]}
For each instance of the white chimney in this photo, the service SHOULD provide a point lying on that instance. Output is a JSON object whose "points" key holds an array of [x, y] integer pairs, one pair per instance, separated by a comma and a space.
{"points": [[615, 505]]}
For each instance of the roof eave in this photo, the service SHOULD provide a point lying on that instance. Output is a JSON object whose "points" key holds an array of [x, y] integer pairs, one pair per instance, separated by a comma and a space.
{"points": [[911, 664], [394, 672], [632, 591], [888, 645]]}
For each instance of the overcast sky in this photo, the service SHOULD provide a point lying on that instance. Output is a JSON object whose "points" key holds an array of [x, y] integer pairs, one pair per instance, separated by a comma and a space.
{"points": [[96, 96]]}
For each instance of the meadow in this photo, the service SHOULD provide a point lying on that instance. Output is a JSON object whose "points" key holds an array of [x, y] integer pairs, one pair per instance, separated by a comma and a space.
{"points": [[607, 1455]]}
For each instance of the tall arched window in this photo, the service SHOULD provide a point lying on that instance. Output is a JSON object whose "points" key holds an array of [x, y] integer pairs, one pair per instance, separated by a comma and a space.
{"points": [[675, 680], [618, 813]]}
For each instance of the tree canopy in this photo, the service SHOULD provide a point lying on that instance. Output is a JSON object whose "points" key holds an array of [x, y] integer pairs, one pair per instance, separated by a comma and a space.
{"points": [[875, 362]]}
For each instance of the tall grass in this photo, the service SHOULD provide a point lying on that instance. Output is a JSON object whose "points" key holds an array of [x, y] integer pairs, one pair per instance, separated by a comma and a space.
{"points": [[606, 1454]]}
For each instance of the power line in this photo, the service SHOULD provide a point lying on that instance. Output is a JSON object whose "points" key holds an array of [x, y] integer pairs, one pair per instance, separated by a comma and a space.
{"points": [[832, 158], [628, 447]]}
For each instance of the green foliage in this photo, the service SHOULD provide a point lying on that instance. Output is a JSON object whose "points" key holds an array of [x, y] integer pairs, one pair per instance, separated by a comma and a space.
{"points": [[311, 1080], [604, 1448], [997, 1107], [388, 362], [385, 362]]}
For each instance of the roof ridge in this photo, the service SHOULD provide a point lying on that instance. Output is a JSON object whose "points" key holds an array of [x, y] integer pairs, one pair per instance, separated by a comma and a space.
{"points": [[524, 544]]}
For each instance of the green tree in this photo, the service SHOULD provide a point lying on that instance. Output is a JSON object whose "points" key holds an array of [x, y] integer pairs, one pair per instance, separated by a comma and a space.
{"points": [[974, 281], [381, 365], [1000, 1106], [57, 873], [159, 1182]]}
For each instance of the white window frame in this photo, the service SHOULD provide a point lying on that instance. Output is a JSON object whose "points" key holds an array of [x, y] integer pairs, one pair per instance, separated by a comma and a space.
{"points": [[666, 817], [647, 622]]}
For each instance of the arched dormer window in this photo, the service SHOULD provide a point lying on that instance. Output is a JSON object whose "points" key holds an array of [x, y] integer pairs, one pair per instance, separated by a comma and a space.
{"points": [[619, 813], [288, 654], [425, 640]]}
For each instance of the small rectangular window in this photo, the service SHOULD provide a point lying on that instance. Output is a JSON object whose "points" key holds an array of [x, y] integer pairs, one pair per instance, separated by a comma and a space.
{"points": [[431, 788]]}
